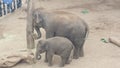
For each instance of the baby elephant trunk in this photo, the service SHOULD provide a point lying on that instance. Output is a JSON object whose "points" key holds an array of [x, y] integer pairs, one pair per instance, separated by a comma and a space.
{"points": [[38, 56]]}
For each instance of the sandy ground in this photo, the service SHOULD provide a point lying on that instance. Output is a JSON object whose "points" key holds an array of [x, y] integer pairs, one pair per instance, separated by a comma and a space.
{"points": [[103, 21]]}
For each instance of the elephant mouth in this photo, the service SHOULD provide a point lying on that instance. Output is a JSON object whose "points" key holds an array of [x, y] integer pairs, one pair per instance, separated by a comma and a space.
{"points": [[39, 57]]}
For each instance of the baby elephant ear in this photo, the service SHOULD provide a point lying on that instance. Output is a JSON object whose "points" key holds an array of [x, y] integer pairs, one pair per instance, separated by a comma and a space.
{"points": [[41, 41]]}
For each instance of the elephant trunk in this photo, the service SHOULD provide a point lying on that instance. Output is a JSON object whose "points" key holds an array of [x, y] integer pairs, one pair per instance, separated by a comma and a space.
{"points": [[38, 31]]}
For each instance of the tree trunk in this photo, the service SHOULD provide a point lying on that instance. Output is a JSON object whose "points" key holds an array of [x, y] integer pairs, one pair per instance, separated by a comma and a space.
{"points": [[29, 28]]}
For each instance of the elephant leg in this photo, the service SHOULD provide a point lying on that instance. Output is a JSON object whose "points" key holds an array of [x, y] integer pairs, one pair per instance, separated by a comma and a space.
{"points": [[75, 41], [63, 61], [81, 53], [76, 53], [46, 60], [49, 58]]}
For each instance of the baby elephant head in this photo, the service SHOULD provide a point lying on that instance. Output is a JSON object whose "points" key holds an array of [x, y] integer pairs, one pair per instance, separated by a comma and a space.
{"points": [[41, 48]]}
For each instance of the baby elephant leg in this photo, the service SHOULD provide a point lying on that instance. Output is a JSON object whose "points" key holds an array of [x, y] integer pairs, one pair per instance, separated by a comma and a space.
{"points": [[63, 61], [70, 56], [67, 61], [46, 60], [49, 58]]}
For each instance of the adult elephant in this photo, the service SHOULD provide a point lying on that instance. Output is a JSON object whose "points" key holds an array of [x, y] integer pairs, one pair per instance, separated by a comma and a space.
{"points": [[62, 23]]}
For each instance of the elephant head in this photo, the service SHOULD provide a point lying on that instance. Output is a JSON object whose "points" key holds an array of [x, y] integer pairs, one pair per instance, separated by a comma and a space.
{"points": [[41, 48], [38, 21]]}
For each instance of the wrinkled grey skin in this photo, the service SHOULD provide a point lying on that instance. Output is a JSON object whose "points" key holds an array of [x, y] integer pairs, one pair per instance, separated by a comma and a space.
{"points": [[56, 45], [62, 23]]}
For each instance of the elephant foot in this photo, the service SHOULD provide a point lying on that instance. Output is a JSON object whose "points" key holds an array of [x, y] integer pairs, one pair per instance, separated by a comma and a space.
{"points": [[81, 54], [68, 62], [61, 65], [75, 57]]}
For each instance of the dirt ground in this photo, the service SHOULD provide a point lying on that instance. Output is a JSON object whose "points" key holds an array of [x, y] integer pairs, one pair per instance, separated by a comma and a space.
{"points": [[103, 20]]}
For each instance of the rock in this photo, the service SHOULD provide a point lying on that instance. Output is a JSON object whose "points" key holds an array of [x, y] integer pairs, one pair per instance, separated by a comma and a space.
{"points": [[11, 60]]}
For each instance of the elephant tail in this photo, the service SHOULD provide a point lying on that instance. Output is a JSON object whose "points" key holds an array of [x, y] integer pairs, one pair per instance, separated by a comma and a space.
{"points": [[87, 31], [71, 54]]}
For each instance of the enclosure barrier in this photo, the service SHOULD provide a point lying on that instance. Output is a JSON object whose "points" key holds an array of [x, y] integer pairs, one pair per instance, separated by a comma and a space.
{"points": [[9, 6]]}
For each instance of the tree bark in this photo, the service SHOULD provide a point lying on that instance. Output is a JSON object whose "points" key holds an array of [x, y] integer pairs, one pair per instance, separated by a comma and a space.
{"points": [[30, 27]]}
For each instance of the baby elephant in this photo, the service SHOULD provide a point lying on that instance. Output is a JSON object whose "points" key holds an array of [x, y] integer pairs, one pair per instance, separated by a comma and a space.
{"points": [[56, 45]]}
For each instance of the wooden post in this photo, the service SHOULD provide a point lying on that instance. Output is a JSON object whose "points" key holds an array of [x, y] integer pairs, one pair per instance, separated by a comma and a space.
{"points": [[0, 8], [29, 28], [6, 9], [15, 3]]}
